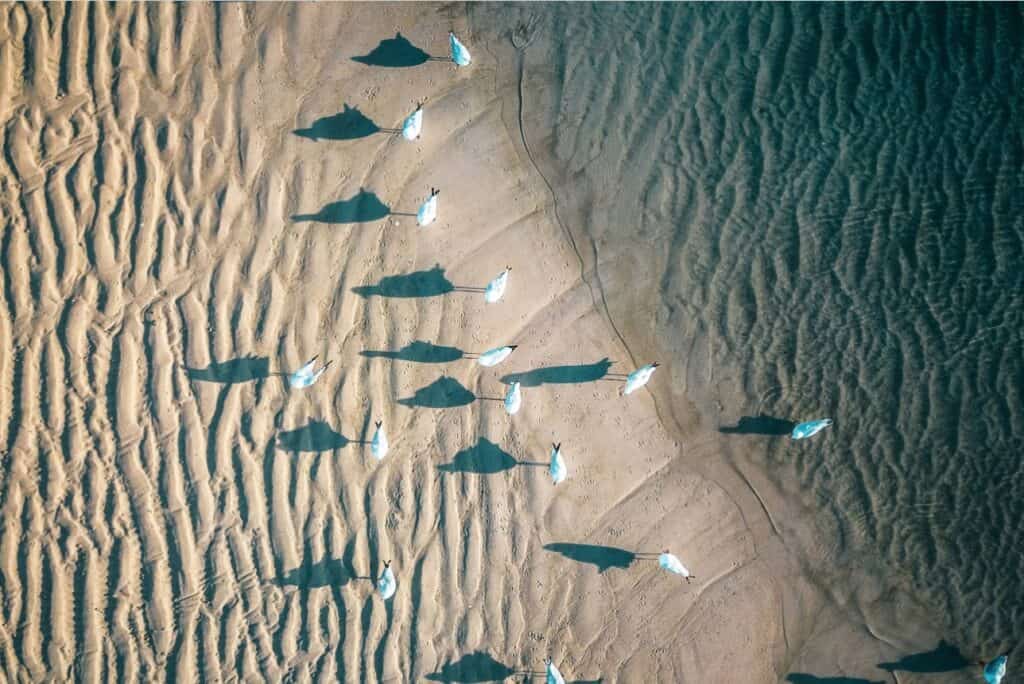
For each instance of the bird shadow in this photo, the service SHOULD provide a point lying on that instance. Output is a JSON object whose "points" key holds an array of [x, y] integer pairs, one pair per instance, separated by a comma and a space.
{"points": [[233, 371], [429, 283], [418, 352], [348, 124], [759, 425], [314, 436], [473, 668], [444, 392], [602, 557], [360, 208], [484, 458], [802, 678], [332, 572], [579, 373], [943, 658], [395, 53]]}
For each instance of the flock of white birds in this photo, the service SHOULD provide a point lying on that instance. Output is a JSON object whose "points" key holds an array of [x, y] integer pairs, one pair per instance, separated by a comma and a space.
{"points": [[387, 584]]}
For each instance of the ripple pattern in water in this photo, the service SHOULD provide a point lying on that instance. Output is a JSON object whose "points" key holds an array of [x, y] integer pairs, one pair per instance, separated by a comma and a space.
{"points": [[817, 211]]}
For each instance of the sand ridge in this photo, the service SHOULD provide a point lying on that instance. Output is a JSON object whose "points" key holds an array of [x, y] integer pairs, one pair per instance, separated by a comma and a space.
{"points": [[172, 247]]}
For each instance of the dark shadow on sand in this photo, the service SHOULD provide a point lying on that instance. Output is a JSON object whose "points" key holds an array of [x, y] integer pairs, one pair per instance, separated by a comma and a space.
{"points": [[362, 207], [395, 53], [759, 425], [588, 372], [315, 436], [483, 458], [802, 678], [442, 393], [243, 369], [418, 352], [473, 668], [602, 557], [430, 283], [332, 572], [348, 124], [943, 658]]}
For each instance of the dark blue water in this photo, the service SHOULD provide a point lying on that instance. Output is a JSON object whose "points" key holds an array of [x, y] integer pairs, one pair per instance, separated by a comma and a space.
{"points": [[810, 211]]}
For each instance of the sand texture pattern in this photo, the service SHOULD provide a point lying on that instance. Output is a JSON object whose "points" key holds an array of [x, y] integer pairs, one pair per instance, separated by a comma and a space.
{"points": [[815, 211], [195, 200]]}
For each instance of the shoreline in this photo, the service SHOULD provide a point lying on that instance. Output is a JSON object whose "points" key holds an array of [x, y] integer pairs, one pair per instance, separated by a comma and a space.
{"points": [[189, 222], [786, 536]]}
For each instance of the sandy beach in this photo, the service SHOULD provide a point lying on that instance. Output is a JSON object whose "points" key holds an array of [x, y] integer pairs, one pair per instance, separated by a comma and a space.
{"points": [[196, 200]]}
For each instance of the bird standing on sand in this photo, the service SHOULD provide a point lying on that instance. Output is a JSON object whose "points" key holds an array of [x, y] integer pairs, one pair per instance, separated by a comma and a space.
{"points": [[558, 470], [460, 55], [810, 428], [513, 399], [553, 675], [639, 378], [428, 210], [674, 565], [495, 356], [496, 288], [379, 444], [996, 670], [305, 376], [412, 125], [387, 584]]}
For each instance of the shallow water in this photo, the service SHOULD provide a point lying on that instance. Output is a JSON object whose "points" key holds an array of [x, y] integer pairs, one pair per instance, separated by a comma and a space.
{"points": [[814, 211]]}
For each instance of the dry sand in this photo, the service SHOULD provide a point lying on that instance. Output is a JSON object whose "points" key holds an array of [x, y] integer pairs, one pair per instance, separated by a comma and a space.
{"points": [[169, 519]]}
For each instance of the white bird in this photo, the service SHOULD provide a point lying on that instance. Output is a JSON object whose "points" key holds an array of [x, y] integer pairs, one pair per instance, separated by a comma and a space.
{"points": [[306, 376], [428, 210], [558, 470], [460, 55], [496, 288], [495, 356], [810, 428], [513, 399], [387, 584], [996, 670], [413, 123], [673, 564], [553, 675], [639, 378], [379, 444]]}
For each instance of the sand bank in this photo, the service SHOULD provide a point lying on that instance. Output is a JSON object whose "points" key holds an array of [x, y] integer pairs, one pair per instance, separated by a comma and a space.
{"points": [[196, 199]]}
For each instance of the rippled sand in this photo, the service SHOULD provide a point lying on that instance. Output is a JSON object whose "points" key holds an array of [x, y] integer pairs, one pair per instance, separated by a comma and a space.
{"points": [[810, 211], [196, 199]]}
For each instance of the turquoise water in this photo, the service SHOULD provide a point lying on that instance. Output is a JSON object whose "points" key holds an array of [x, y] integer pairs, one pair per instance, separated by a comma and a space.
{"points": [[815, 211]]}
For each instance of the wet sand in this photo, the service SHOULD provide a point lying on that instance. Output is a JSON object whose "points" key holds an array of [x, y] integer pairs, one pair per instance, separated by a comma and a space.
{"points": [[198, 199], [718, 169]]}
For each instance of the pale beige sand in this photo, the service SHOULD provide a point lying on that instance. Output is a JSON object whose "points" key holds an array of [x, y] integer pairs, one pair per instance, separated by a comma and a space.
{"points": [[153, 530]]}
